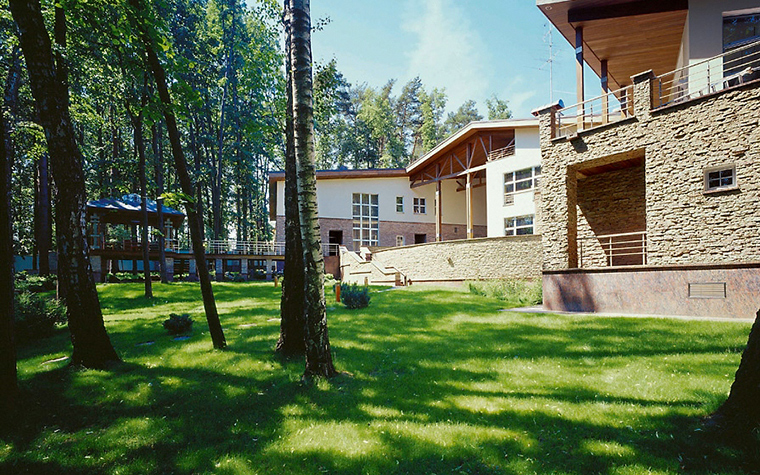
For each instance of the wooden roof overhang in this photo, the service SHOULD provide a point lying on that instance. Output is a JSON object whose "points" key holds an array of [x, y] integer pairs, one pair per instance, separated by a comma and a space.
{"points": [[633, 36], [465, 152]]}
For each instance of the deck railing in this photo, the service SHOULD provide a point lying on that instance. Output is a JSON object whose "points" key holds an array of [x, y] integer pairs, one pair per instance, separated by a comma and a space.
{"points": [[251, 248], [730, 69], [219, 246], [613, 250], [500, 153], [605, 109]]}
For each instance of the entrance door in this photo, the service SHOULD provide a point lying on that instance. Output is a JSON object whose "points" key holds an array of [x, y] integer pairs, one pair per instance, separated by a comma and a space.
{"points": [[335, 238]]}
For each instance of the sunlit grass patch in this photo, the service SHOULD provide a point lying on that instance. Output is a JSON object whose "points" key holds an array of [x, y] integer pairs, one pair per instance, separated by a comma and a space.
{"points": [[439, 381]]}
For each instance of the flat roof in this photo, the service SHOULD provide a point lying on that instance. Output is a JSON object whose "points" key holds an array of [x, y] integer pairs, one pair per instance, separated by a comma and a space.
{"points": [[275, 176]]}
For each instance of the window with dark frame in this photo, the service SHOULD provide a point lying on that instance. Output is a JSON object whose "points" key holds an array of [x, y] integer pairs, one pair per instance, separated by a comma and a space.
{"points": [[720, 178], [420, 206], [399, 204]]}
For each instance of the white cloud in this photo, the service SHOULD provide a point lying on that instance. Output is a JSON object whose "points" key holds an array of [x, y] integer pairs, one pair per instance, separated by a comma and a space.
{"points": [[448, 51]]}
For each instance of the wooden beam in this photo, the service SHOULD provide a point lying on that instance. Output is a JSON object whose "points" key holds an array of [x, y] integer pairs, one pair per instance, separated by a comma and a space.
{"points": [[438, 210], [605, 90], [468, 198], [579, 79], [640, 7]]}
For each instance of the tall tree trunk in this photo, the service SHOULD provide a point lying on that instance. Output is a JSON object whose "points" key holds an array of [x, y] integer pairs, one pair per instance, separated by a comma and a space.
{"points": [[158, 165], [43, 231], [740, 413], [8, 379], [318, 356], [195, 220], [92, 347], [137, 126], [292, 323]]}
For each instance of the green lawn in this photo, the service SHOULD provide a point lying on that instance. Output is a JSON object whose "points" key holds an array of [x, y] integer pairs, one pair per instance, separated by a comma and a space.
{"points": [[439, 381]]}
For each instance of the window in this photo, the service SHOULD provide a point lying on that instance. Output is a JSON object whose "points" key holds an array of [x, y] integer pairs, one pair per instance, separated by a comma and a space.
{"points": [[399, 204], [399, 241], [520, 180], [720, 178], [739, 30], [419, 206], [518, 225], [366, 220]]}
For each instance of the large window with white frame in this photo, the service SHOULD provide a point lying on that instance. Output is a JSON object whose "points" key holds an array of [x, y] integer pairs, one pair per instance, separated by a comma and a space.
{"points": [[518, 225], [419, 206], [366, 223], [520, 180], [740, 29]]}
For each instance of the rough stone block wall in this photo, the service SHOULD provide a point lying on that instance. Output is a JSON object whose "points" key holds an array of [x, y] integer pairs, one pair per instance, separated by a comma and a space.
{"points": [[511, 257], [684, 223]]}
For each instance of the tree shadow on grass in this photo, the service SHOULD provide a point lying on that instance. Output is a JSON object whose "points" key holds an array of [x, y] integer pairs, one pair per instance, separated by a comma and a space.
{"points": [[442, 384]]}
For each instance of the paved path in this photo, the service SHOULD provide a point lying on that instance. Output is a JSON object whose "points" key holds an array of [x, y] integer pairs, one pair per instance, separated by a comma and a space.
{"points": [[540, 309]]}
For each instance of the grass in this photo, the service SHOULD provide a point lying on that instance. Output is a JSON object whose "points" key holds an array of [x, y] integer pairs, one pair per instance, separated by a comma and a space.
{"points": [[440, 382]]}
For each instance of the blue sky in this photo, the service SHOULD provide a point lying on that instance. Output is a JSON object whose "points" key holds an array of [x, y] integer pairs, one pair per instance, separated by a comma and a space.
{"points": [[472, 49]]}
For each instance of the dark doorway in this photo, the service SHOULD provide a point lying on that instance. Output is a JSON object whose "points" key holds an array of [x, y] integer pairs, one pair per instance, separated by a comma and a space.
{"points": [[335, 238], [420, 238]]}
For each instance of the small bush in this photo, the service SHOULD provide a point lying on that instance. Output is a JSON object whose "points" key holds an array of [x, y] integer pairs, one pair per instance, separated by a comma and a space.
{"points": [[354, 296], [259, 274], [178, 324], [234, 277], [330, 280], [517, 293], [25, 282], [37, 316]]}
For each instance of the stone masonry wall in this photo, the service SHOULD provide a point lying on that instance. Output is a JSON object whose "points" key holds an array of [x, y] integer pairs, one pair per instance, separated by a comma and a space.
{"points": [[511, 257], [684, 223]]}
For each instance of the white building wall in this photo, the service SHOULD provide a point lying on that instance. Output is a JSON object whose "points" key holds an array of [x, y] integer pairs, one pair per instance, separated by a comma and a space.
{"points": [[703, 38], [527, 154]]}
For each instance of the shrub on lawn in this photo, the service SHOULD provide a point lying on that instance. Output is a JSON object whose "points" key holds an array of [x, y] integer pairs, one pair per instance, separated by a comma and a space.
{"points": [[330, 280], [234, 277], [518, 293], [354, 296], [25, 282], [177, 324], [37, 316]]}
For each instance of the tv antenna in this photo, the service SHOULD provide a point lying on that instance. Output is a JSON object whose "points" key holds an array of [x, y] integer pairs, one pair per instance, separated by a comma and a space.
{"points": [[549, 40]]}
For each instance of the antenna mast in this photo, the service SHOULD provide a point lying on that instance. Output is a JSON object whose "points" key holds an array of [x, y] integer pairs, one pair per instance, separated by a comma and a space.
{"points": [[550, 61]]}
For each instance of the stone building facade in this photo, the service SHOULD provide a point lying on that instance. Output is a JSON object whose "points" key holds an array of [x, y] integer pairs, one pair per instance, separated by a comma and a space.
{"points": [[648, 174]]}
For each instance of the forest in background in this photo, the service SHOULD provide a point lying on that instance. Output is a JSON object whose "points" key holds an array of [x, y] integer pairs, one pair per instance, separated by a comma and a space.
{"points": [[224, 60]]}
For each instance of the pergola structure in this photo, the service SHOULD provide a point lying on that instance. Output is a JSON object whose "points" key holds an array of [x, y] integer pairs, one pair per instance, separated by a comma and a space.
{"points": [[127, 211], [462, 157]]}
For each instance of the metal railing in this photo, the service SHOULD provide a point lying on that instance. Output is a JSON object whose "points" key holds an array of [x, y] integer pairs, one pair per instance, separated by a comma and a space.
{"points": [[626, 249], [730, 69], [605, 109], [251, 248]]}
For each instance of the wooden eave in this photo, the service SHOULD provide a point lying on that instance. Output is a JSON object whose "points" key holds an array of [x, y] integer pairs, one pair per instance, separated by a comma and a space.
{"points": [[465, 150], [632, 35]]}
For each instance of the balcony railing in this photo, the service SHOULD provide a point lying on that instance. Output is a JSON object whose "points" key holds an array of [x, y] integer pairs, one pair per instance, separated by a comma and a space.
{"points": [[730, 69], [251, 248], [613, 250], [605, 109], [500, 153], [221, 246]]}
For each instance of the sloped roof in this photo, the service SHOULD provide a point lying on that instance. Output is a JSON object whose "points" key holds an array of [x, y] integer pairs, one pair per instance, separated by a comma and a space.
{"points": [[130, 203]]}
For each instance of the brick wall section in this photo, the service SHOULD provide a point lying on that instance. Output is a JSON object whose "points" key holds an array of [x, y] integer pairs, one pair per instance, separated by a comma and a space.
{"points": [[511, 257], [684, 224], [388, 231]]}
